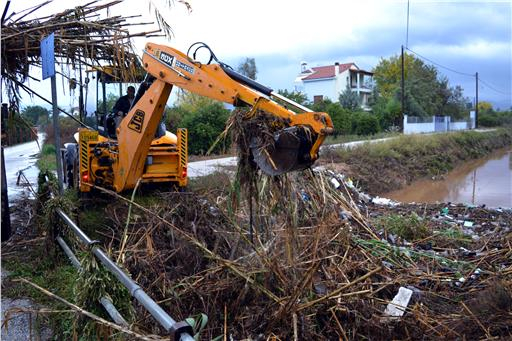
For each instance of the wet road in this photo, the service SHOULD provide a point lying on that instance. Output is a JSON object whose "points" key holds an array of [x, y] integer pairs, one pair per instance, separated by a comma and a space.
{"points": [[21, 157], [484, 181]]}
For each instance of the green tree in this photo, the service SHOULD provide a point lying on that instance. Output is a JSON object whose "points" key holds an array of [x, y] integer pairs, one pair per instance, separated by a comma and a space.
{"points": [[484, 107], [111, 101], [204, 126], [349, 99], [341, 118], [248, 68], [295, 96], [365, 123], [457, 105], [35, 114], [422, 86], [204, 118]]}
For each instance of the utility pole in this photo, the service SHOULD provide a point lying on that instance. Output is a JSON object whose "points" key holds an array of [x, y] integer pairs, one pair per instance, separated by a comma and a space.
{"points": [[81, 94], [402, 92], [476, 102]]}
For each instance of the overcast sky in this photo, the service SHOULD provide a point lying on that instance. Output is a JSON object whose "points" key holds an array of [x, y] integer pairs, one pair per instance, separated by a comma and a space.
{"points": [[466, 36]]}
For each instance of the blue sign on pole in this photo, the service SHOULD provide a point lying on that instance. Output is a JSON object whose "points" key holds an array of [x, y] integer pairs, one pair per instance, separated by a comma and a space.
{"points": [[48, 56]]}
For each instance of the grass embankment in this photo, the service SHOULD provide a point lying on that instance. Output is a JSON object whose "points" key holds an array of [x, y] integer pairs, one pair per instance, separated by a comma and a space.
{"points": [[47, 159], [390, 165]]}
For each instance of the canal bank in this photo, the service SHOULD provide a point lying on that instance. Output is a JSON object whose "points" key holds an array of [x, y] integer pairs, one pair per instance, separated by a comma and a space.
{"points": [[485, 181], [392, 165]]}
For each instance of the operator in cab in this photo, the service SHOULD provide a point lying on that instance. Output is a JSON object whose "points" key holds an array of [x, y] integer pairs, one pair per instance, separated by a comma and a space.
{"points": [[123, 104], [119, 111]]}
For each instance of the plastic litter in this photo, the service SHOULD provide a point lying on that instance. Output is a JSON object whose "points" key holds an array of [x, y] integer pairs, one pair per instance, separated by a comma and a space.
{"points": [[384, 201], [396, 308], [335, 183]]}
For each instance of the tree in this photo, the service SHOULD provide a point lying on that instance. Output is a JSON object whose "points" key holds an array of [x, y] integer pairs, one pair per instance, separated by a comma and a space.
{"points": [[204, 118], [111, 101], [35, 114], [484, 107], [341, 118], [457, 105], [349, 99], [204, 127], [296, 96], [248, 68], [364, 123], [422, 86]]}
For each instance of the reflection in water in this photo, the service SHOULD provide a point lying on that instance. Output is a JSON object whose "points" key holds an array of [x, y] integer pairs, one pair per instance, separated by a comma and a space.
{"points": [[484, 181]]}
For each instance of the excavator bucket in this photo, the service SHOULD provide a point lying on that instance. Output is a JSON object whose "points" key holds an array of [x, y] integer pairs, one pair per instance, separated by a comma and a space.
{"points": [[289, 152]]}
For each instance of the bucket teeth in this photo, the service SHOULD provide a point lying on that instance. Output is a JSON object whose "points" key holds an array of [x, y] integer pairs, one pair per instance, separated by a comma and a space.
{"points": [[289, 152]]}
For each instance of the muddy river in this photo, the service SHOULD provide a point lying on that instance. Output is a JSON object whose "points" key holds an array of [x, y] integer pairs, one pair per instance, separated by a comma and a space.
{"points": [[484, 181]]}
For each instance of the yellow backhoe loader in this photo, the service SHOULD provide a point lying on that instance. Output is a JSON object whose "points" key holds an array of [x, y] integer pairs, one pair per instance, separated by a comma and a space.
{"points": [[136, 153]]}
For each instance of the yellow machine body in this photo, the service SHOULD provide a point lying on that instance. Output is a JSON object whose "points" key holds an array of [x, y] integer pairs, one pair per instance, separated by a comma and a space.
{"points": [[136, 155]]}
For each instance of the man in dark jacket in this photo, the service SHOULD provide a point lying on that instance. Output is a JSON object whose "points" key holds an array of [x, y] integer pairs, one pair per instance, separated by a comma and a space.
{"points": [[124, 103]]}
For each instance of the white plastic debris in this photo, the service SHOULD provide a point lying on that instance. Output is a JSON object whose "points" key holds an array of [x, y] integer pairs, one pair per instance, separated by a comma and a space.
{"points": [[396, 308], [468, 223], [384, 201], [335, 183]]}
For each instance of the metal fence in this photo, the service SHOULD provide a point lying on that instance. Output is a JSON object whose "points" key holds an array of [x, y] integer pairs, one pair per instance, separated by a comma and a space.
{"points": [[177, 330]]}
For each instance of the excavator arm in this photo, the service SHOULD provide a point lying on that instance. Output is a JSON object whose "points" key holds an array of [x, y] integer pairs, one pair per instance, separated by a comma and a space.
{"points": [[171, 67]]}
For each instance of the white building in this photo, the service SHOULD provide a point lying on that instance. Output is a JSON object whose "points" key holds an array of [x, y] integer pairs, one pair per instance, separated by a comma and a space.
{"points": [[330, 81]]}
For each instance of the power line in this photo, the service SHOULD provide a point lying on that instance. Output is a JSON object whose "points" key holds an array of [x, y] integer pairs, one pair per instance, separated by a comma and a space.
{"points": [[492, 88], [441, 66], [460, 73]]}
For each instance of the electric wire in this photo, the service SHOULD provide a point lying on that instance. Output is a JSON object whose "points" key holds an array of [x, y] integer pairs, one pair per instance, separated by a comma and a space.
{"points": [[492, 88], [460, 73], [440, 65]]}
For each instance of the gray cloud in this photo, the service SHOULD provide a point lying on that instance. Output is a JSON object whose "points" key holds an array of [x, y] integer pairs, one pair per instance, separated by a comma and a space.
{"points": [[443, 32]]}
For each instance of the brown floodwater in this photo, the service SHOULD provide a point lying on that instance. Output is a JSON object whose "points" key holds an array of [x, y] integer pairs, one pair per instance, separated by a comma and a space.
{"points": [[484, 181]]}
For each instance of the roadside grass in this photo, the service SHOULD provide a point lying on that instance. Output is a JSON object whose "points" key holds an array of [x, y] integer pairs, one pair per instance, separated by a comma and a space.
{"points": [[217, 181], [57, 276], [47, 159], [390, 165]]}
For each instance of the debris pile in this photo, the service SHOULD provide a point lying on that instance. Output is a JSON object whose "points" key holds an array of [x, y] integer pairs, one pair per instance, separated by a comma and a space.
{"points": [[321, 263], [83, 35]]}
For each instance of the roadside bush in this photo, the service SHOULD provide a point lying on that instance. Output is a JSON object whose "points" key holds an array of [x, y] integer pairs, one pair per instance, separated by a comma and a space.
{"points": [[495, 119], [48, 149], [204, 127], [364, 123], [341, 119], [68, 127]]}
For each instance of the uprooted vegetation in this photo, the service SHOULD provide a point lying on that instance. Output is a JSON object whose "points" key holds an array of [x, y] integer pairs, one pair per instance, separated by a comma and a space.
{"points": [[322, 264], [316, 266], [390, 165], [305, 256]]}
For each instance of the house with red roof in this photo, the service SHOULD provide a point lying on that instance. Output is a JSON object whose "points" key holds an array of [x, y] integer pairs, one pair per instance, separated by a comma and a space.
{"points": [[330, 81]]}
